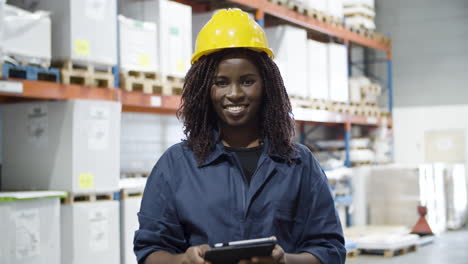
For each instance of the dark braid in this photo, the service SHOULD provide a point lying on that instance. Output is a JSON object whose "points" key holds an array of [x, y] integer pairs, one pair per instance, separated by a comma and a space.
{"points": [[199, 117]]}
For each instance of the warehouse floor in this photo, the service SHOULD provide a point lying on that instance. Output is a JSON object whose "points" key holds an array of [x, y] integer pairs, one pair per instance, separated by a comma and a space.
{"points": [[450, 247]]}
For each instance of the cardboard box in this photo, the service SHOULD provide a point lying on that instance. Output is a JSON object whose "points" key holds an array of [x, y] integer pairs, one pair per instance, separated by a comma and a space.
{"points": [[174, 27], [62, 145], [131, 195], [84, 31], [289, 45], [317, 69], [338, 72], [30, 227], [138, 45], [20, 29], [90, 232]]}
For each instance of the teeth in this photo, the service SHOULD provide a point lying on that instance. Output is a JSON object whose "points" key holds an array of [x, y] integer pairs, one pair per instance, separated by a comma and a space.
{"points": [[236, 108]]}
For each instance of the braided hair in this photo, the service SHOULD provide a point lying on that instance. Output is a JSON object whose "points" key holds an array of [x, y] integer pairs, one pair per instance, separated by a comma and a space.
{"points": [[200, 118]]}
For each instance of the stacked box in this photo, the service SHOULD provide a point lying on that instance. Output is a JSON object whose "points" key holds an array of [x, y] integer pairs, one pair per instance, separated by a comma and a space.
{"points": [[142, 142], [359, 13], [456, 196], [2, 7], [90, 232], [131, 194], [20, 29], [83, 31], [318, 5], [394, 192], [317, 69], [138, 45], [63, 145], [289, 45], [363, 90], [335, 9], [338, 72], [30, 227], [174, 27]]}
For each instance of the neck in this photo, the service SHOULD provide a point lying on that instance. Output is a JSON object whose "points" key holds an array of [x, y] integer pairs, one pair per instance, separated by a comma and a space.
{"points": [[240, 137]]}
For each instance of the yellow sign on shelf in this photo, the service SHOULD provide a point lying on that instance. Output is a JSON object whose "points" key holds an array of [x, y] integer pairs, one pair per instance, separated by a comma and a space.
{"points": [[144, 60], [82, 47], [86, 181]]}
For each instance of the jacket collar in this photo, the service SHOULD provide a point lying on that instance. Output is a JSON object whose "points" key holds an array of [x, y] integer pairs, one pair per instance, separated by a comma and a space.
{"points": [[219, 151]]}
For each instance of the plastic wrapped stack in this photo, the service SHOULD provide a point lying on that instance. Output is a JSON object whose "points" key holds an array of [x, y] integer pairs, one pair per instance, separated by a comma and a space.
{"points": [[338, 73], [290, 47], [19, 29], [317, 70], [359, 14]]}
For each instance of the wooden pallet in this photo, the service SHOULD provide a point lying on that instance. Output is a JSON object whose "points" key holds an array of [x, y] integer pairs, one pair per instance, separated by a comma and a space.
{"points": [[340, 107], [390, 252], [315, 14], [173, 86], [86, 75], [146, 82], [88, 197], [352, 253], [129, 194], [296, 6]]}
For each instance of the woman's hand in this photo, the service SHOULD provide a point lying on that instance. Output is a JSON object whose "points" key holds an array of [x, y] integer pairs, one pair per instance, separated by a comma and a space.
{"points": [[277, 257], [195, 255]]}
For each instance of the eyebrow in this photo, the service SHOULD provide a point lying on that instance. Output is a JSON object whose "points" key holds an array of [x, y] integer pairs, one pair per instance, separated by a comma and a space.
{"points": [[242, 76]]}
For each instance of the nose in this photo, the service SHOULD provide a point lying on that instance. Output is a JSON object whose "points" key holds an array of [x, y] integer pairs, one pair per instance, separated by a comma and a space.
{"points": [[235, 93]]}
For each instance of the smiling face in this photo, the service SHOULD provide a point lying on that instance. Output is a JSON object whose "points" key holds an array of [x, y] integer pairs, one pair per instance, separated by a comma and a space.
{"points": [[237, 92]]}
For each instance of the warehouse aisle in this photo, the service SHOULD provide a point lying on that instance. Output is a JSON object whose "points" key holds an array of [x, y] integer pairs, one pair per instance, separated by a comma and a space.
{"points": [[451, 247]]}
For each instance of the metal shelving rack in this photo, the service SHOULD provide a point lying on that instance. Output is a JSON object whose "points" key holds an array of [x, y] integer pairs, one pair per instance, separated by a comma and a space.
{"points": [[164, 104]]}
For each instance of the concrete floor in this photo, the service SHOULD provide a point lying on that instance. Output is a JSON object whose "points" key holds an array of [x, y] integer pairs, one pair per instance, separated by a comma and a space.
{"points": [[449, 248]]}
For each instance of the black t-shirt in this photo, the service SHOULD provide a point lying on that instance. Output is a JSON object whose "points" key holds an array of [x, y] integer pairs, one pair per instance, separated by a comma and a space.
{"points": [[248, 158]]}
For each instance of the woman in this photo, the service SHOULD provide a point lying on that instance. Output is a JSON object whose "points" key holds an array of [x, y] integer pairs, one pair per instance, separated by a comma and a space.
{"points": [[238, 175]]}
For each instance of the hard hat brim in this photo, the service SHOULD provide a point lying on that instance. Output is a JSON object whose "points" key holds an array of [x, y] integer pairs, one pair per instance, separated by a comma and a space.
{"points": [[197, 56]]}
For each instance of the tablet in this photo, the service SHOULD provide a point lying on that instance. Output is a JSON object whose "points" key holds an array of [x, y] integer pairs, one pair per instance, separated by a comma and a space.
{"points": [[233, 252]]}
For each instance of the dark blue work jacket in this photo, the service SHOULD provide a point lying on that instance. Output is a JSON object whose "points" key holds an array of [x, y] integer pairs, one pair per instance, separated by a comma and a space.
{"points": [[185, 204]]}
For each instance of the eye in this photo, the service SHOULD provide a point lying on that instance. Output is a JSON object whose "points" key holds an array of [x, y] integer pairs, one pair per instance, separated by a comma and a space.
{"points": [[248, 82], [221, 83]]}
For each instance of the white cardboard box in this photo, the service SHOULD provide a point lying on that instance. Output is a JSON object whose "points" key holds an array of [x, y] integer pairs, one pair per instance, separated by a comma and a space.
{"points": [[174, 22], [65, 145], [84, 31], [129, 207], [335, 8], [338, 72], [289, 45], [2, 7], [20, 29], [319, 5], [90, 232], [317, 65], [30, 227], [138, 45]]}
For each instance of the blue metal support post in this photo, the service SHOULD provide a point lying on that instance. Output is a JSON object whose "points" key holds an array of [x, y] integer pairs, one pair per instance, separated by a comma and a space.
{"points": [[390, 85]]}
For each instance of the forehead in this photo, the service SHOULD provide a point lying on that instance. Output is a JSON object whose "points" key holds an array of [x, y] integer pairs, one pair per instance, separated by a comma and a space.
{"points": [[237, 63]]}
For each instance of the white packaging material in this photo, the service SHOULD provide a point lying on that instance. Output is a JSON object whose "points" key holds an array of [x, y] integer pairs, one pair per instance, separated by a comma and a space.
{"points": [[174, 22], [360, 21], [138, 45], [129, 207], [30, 227], [20, 29], [366, 3], [359, 10], [317, 69], [142, 142], [456, 196], [338, 72], [290, 47], [90, 232], [65, 145], [395, 191], [2, 25], [335, 8], [340, 144], [318, 5], [84, 31]]}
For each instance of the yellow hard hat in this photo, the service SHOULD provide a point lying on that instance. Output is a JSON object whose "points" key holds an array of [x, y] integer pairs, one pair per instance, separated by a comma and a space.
{"points": [[230, 28]]}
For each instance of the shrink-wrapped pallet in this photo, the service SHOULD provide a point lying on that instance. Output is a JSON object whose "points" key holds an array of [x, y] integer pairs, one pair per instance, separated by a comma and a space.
{"points": [[20, 28], [317, 70], [338, 72], [84, 31], [138, 45], [174, 31], [290, 47]]}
